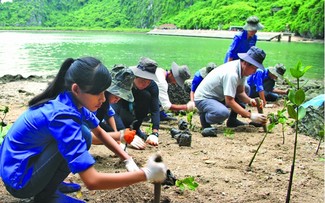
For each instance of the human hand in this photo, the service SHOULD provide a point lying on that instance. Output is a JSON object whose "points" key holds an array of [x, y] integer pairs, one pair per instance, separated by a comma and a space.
{"points": [[127, 135], [155, 171], [138, 143], [253, 102], [131, 165], [190, 106], [258, 118], [153, 139]]}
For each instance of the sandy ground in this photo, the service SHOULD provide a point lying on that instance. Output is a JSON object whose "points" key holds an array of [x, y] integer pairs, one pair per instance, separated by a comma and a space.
{"points": [[218, 164]]}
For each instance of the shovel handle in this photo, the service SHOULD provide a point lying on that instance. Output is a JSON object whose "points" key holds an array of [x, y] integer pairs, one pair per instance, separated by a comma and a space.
{"points": [[260, 110]]}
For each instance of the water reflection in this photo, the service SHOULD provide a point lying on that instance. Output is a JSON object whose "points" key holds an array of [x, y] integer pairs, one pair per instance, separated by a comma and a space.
{"points": [[41, 53]]}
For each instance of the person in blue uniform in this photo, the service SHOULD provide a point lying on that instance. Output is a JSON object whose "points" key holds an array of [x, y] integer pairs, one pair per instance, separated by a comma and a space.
{"points": [[199, 76], [245, 39], [262, 83], [52, 137]]}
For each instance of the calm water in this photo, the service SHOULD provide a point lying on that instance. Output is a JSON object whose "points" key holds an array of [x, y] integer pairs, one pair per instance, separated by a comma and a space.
{"points": [[41, 53]]}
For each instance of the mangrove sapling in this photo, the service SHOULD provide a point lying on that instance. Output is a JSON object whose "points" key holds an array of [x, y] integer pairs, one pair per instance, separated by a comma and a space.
{"points": [[320, 136], [296, 111], [189, 117], [228, 132], [269, 129], [3, 125], [186, 183]]}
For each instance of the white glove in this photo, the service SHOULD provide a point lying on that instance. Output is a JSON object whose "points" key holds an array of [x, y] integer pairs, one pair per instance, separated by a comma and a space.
{"points": [[152, 140], [258, 118], [252, 102], [138, 143], [190, 106], [131, 165], [155, 171]]}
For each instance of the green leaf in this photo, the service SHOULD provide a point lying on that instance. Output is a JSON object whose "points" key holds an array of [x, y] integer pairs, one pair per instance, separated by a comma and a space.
{"points": [[282, 120], [301, 112], [292, 112], [270, 127], [296, 73], [307, 68], [299, 97], [291, 96]]}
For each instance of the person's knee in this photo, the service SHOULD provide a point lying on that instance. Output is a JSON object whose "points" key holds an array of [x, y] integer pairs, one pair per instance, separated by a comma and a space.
{"points": [[217, 116]]}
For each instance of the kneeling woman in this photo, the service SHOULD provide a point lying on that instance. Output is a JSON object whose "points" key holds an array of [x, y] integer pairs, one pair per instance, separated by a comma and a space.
{"points": [[50, 140]]}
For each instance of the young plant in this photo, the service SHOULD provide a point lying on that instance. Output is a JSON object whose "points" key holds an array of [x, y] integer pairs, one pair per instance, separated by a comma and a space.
{"points": [[321, 139], [269, 129], [228, 132], [148, 129], [187, 183], [280, 118], [189, 117], [296, 111], [3, 126]]}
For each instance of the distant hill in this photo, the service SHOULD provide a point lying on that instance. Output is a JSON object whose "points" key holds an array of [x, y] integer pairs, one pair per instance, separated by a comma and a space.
{"points": [[304, 18]]}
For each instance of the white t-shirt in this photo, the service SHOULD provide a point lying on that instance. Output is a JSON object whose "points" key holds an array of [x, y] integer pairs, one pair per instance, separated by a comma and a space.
{"points": [[220, 82], [163, 88]]}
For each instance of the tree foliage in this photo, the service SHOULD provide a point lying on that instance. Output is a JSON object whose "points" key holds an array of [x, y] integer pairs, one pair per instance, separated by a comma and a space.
{"points": [[305, 18]]}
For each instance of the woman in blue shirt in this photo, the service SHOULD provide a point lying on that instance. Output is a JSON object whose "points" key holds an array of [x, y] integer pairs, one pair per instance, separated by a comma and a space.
{"points": [[244, 40], [49, 140]]}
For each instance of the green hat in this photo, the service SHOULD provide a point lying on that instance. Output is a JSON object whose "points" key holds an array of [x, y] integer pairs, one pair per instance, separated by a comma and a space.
{"points": [[122, 82], [278, 70], [253, 23]]}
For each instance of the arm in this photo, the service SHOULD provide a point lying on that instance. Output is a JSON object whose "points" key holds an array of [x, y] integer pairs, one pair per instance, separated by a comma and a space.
{"points": [[279, 91], [192, 96], [111, 122], [262, 96], [99, 181], [230, 102], [110, 142]]}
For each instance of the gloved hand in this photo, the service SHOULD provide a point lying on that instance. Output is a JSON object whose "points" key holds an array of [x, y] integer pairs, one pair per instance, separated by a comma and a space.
{"points": [[127, 135], [258, 118], [138, 143], [131, 165], [155, 171], [190, 106], [253, 102], [152, 139]]}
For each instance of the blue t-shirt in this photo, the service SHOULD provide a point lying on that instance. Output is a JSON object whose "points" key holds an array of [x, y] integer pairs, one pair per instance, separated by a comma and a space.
{"points": [[57, 120], [197, 79], [256, 80], [240, 44]]}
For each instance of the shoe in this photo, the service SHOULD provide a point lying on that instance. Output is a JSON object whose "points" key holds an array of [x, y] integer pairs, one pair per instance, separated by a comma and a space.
{"points": [[234, 123], [209, 132], [57, 197], [142, 134], [258, 125], [166, 117], [68, 187]]}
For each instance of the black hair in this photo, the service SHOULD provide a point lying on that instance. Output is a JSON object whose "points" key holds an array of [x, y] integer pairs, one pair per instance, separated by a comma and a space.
{"points": [[88, 73]]}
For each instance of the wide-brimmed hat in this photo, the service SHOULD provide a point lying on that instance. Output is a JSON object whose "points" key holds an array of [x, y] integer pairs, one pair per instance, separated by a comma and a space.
{"points": [[122, 81], [278, 70], [253, 23], [254, 56], [180, 73], [145, 69], [205, 70]]}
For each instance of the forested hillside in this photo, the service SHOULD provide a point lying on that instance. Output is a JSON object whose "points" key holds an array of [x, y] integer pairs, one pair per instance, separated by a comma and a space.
{"points": [[305, 18]]}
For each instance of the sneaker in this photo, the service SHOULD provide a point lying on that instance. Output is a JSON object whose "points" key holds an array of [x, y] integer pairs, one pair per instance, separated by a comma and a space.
{"points": [[68, 187], [209, 132], [258, 125], [142, 134], [166, 117], [57, 197], [234, 123]]}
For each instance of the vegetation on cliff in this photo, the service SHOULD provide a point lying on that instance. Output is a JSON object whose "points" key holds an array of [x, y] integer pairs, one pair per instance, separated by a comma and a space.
{"points": [[305, 18]]}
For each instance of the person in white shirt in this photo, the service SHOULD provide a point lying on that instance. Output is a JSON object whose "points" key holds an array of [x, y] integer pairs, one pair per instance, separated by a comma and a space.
{"points": [[176, 75], [225, 87]]}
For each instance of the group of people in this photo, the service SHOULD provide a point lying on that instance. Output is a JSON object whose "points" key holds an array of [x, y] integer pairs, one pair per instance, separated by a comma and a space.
{"points": [[87, 104]]}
